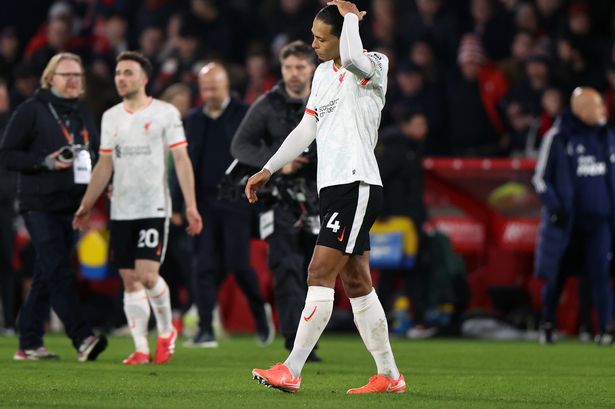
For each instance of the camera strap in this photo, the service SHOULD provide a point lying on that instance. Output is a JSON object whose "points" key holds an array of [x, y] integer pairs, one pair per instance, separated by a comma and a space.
{"points": [[67, 135]]}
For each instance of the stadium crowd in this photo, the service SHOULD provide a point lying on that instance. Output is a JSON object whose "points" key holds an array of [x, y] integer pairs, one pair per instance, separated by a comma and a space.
{"points": [[485, 77]]}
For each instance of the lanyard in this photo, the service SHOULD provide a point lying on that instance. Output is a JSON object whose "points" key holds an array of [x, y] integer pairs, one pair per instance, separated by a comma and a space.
{"points": [[69, 138]]}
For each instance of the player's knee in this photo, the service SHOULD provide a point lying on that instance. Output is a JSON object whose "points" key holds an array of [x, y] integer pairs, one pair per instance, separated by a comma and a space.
{"points": [[131, 281], [356, 286], [320, 274], [149, 278]]}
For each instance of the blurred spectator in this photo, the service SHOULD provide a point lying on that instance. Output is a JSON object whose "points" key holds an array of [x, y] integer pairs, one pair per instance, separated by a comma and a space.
{"points": [[56, 39], [151, 41], [100, 89], [155, 13], [177, 265], [474, 92], [115, 32], [573, 66], [180, 96], [552, 107], [513, 67], [493, 27], [430, 21], [551, 16], [260, 79], [412, 93], [9, 53], [400, 156], [526, 19], [609, 95], [527, 131], [421, 53], [8, 193], [223, 245], [183, 62], [215, 29], [523, 105], [25, 83], [528, 93], [291, 20], [383, 23]]}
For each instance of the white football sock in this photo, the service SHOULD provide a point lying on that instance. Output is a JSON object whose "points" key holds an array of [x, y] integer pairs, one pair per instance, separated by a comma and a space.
{"points": [[137, 313], [371, 321], [160, 299], [314, 319]]}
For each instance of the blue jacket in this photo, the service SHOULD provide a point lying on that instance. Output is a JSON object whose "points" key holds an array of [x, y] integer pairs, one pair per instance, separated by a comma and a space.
{"points": [[554, 181]]}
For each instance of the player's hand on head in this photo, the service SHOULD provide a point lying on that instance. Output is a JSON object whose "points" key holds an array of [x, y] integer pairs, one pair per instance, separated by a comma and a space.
{"points": [[195, 223], [346, 7], [81, 219], [255, 182]]}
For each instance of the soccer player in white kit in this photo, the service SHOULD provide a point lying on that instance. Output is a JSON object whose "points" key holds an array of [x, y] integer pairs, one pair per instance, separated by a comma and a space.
{"points": [[136, 137], [343, 115]]}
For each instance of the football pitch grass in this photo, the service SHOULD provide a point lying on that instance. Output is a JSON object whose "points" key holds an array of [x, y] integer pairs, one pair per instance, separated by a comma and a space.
{"points": [[440, 374]]}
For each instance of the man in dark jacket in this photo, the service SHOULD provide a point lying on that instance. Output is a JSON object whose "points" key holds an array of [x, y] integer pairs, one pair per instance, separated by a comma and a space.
{"points": [[51, 183], [268, 122], [8, 189], [575, 178], [223, 245], [400, 157]]}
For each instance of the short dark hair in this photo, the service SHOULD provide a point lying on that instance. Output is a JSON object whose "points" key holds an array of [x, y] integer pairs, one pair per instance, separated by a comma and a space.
{"points": [[298, 49], [331, 15], [139, 58]]}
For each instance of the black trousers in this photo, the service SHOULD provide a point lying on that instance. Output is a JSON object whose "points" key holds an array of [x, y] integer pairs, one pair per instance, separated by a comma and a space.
{"points": [[176, 268], [53, 281], [591, 239], [290, 251], [222, 247], [7, 274]]}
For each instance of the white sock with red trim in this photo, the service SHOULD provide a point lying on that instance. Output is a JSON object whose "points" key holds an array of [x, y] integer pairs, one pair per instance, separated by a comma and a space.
{"points": [[137, 313], [372, 324], [160, 299], [314, 319]]}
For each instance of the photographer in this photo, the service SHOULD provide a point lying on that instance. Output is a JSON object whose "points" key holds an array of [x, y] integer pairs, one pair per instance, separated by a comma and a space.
{"points": [[50, 140], [264, 128]]}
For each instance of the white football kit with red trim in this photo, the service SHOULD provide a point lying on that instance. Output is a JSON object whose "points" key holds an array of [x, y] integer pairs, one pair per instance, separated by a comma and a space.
{"points": [[347, 109], [139, 143]]}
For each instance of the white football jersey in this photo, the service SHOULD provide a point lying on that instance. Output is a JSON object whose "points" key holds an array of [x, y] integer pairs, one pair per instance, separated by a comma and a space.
{"points": [[347, 109], [140, 142]]}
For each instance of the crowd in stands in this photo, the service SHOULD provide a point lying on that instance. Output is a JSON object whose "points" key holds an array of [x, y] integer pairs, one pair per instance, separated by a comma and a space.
{"points": [[489, 75]]}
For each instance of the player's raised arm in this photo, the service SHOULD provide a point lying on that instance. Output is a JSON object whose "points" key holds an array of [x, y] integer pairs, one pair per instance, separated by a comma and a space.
{"points": [[351, 46]]}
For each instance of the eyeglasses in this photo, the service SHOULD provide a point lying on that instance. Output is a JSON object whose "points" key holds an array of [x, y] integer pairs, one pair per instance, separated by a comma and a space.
{"points": [[69, 75]]}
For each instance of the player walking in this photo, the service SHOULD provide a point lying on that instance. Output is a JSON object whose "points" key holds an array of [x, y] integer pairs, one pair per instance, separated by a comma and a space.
{"points": [[136, 136], [343, 115]]}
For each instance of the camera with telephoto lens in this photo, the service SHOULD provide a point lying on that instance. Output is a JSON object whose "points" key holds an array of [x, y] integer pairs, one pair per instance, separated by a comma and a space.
{"points": [[68, 153]]}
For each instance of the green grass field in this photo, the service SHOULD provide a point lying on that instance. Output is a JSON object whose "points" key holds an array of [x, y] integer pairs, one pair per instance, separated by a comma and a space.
{"points": [[440, 374]]}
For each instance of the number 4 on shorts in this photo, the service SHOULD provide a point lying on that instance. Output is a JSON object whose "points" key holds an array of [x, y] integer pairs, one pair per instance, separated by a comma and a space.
{"points": [[333, 224]]}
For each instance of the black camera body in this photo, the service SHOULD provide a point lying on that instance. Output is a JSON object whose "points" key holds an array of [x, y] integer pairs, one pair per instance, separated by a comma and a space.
{"points": [[297, 192], [68, 153]]}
